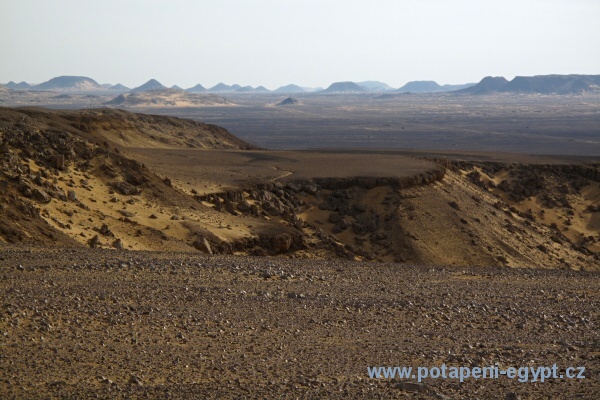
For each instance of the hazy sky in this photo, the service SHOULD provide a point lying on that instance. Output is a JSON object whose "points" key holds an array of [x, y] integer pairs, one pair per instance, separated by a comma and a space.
{"points": [[307, 42]]}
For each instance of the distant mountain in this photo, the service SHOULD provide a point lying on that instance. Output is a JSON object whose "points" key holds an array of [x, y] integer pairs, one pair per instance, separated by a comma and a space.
{"points": [[539, 84], [449, 88], [106, 85], [245, 89], [430, 87], [420, 87], [175, 87], [250, 89], [18, 86], [554, 84], [221, 88], [165, 98], [312, 89], [197, 89], [291, 88], [290, 101], [375, 86], [70, 83], [152, 84], [343, 87], [489, 84], [118, 86]]}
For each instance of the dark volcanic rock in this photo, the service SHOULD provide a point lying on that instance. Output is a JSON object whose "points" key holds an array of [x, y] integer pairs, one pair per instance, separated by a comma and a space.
{"points": [[290, 101]]}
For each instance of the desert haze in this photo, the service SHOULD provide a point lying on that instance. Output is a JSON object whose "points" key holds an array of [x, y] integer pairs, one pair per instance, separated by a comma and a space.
{"points": [[236, 242]]}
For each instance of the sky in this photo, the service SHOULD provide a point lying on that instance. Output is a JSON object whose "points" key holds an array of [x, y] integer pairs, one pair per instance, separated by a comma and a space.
{"points": [[311, 43]]}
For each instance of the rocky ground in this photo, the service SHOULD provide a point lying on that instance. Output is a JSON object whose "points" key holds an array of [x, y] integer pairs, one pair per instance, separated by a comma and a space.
{"points": [[109, 324], [263, 288]]}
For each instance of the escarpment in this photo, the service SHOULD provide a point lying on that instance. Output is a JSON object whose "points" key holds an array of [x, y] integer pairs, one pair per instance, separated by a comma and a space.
{"points": [[71, 179]]}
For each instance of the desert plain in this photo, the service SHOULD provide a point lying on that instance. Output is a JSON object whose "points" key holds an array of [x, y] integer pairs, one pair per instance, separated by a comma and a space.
{"points": [[249, 250]]}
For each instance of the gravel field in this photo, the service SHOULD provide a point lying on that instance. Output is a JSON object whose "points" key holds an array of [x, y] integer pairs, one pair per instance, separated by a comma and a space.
{"points": [[109, 324]]}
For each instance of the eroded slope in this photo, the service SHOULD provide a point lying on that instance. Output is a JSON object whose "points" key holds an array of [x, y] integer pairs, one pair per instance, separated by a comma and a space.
{"points": [[104, 179]]}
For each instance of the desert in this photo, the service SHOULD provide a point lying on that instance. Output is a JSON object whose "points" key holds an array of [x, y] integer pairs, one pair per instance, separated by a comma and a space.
{"points": [[185, 325], [154, 255], [299, 199]]}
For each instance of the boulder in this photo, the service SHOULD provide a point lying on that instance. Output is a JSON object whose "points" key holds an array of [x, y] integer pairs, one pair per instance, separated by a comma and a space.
{"points": [[274, 207], [281, 243], [202, 244], [58, 161], [126, 213], [125, 188], [229, 207], [135, 178], [41, 196], [104, 230], [243, 206], [94, 242], [117, 244]]}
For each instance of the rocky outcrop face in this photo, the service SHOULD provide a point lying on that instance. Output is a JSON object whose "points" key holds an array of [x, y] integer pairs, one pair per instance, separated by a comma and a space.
{"points": [[283, 202], [424, 178], [125, 188]]}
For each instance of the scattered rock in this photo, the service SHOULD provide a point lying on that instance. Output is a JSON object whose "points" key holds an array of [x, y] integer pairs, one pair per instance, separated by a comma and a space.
{"points": [[58, 161], [72, 196], [94, 242], [135, 380], [412, 387], [126, 213], [203, 245], [104, 230], [117, 244], [454, 205], [41, 196], [125, 188], [243, 206]]}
